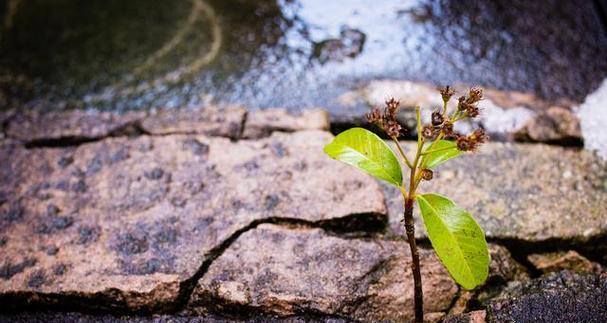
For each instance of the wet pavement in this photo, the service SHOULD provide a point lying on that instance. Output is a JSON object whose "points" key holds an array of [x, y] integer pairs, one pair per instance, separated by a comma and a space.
{"points": [[117, 55]]}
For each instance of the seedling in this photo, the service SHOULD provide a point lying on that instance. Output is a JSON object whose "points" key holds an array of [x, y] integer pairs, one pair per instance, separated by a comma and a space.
{"points": [[456, 238]]}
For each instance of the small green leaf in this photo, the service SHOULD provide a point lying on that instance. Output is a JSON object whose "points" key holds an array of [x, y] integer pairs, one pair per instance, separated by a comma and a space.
{"points": [[445, 150], [365, 150], [457, 239]]}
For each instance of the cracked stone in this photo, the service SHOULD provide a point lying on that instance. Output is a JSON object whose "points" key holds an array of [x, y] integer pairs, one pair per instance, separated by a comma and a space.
{"points": [[555, 125], [34, 126], [470, 317], [557, 261], [285, 271], [124, 240], [210, 121], [531, 193], [557, 297], [261, 123]]}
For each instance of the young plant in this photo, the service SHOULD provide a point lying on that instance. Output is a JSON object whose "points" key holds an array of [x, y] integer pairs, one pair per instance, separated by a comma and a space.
{"points": [[456, 238]]}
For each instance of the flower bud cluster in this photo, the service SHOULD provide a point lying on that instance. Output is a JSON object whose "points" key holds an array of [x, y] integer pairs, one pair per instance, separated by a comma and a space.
{"points": [[467, 107], [386, 119]]}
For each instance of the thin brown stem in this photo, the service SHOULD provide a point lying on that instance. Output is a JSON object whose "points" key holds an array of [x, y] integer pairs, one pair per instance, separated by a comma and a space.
{"points": [[401, 152], [410, 225], [415, 266]]}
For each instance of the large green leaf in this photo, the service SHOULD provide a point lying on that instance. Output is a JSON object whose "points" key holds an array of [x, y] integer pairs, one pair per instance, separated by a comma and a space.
{"points": [[457, 239], [445, 151], [365, 150]]}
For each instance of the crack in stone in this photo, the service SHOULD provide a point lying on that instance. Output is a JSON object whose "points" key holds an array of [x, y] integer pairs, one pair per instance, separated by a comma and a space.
{"points": [[592, 248], [131, 129], [115, 301]]}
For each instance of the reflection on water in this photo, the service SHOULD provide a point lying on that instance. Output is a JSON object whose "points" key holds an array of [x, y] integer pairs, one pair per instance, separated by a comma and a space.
{"points": [[137, 54]]}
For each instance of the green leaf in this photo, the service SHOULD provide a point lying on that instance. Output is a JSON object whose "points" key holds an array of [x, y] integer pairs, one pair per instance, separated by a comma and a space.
{"points": [[457, 239], [365, 150], [445, 151]]}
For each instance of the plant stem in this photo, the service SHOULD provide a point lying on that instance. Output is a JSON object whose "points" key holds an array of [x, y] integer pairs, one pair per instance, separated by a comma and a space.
{"points": [[401, 152], [410, 225], [415, 267]]}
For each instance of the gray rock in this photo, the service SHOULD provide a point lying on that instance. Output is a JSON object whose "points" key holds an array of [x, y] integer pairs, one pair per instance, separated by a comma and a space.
{"points": [[531, 193], [349, 45], [560, 260], [75, 125], [284, 272], [209, 120], [557, 297], [133, 218], [261, 123]]}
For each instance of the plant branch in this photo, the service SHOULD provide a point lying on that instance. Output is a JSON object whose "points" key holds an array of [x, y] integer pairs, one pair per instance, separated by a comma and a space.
{"points": [[415, 266], [401, 152], [410, 225]]}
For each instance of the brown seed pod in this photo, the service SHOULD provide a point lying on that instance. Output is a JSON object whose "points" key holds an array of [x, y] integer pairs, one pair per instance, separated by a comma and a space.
{"points": [[460, 103], [426, 174], [447, 92], [479, 136], [391, 108], [429, 132], [393, 129], [472, 111], [475, 94], [437, 118], [374, 117], [465, 144]]}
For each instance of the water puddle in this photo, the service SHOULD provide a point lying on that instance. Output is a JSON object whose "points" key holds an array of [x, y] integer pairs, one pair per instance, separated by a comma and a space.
{"points": [[120, 55]]}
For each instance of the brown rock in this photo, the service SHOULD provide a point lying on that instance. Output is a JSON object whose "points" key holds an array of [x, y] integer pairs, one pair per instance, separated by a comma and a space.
{"points": [[525, 192], [69, 125], [210, 121], [262, 123], [470, 317], [132, 218], [558, 261], [555, 125], [513, 99], [282, 271], [502, 269]]}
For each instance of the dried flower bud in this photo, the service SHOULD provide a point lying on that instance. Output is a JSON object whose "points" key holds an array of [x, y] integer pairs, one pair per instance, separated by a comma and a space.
{"points": [[391, 108], [460, 103], [479, 136], [447, 129], [464, 144], [475, 94], [374, 117], [426, 174], [393, 129], [472, 111], [437, 118], [429, 132], [447, 92]]}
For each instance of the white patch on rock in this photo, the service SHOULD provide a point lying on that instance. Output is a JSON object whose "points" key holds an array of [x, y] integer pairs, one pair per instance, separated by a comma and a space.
{"points": [[504, 121], [593, 118]]}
